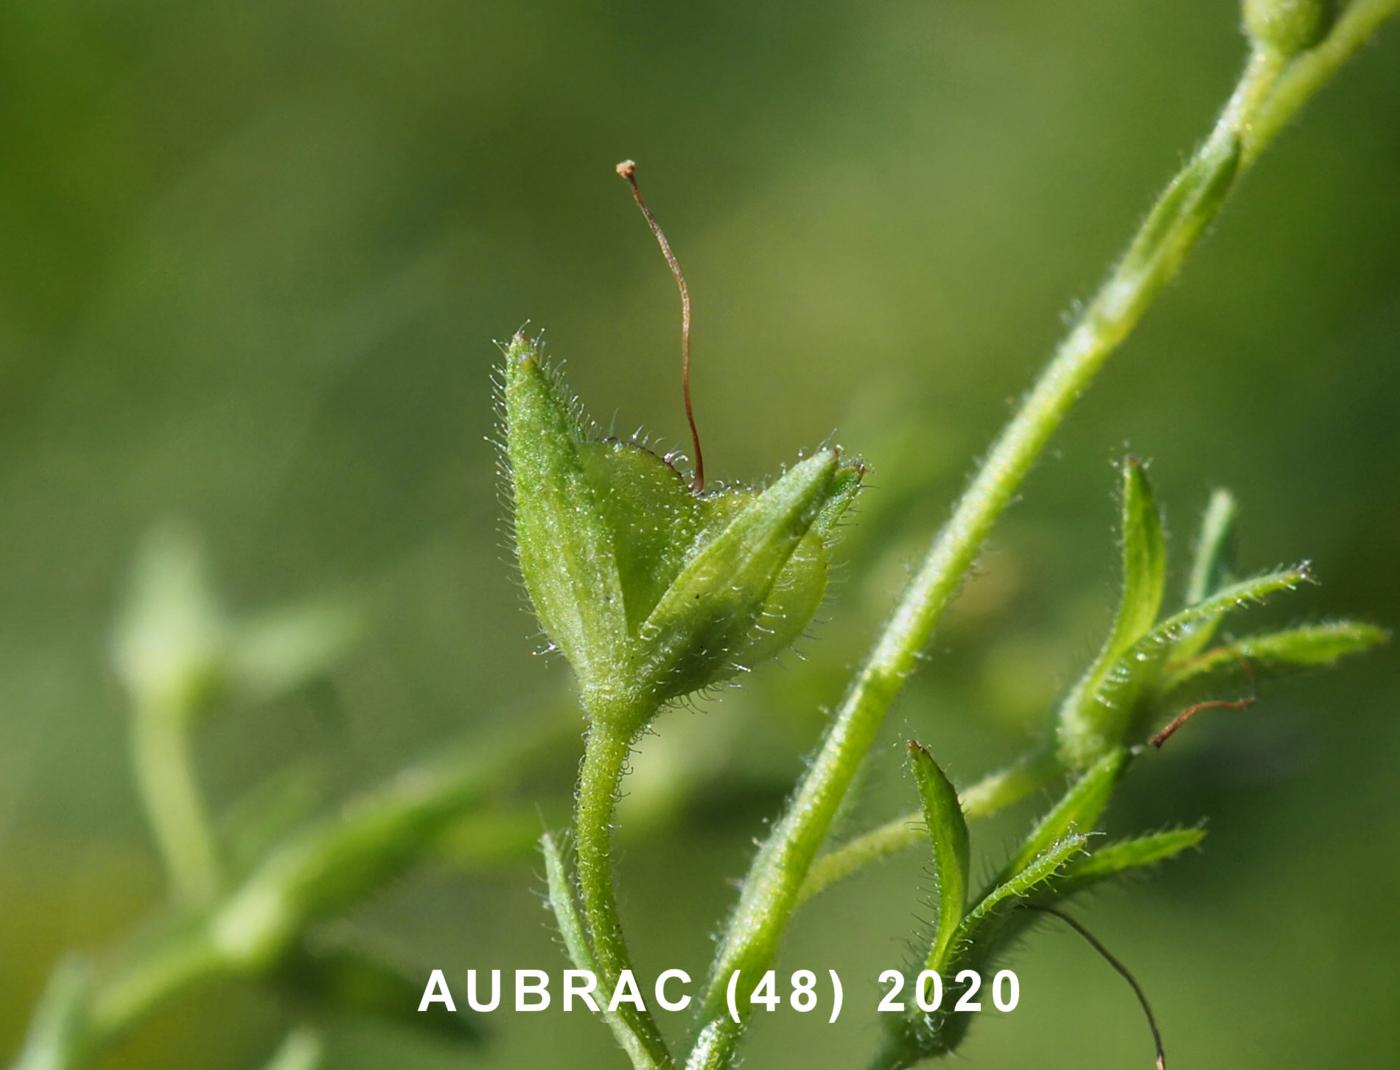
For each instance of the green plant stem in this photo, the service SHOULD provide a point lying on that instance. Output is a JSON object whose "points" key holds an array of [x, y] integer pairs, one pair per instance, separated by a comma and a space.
{"points": [[988, 796], [174, 806], [773, 886], [1265, 102], [600, 776]]}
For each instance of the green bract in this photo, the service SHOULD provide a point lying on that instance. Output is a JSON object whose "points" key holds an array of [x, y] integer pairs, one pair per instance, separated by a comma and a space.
{"points": [[650, 590], [947, 831]]}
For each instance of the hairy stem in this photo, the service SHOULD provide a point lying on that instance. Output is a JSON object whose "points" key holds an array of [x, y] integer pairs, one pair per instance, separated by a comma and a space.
{"points": [[174, 806], [1193, 198], [604, 760], [1292, 88]]}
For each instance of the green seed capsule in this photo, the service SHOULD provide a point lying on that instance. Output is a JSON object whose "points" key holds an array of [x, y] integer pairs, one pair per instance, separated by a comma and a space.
{"points": [[651, 590], [1288, 26]]}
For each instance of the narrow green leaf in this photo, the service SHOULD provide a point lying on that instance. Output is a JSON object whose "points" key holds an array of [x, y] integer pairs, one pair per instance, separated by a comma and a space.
{"points": [[1213, 558], [1123, 856], [1305, 647], [985, 931], [1240, 594], [1144, 579], [561, 901], [1098, 714], [1211, 568], [1144, 560], [1078, 810], [947, 831], [976, 936], [571, 929]]}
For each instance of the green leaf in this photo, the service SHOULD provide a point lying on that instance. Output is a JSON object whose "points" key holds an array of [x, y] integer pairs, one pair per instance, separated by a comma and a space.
{"points": [[561, 901], [1305, 647], [947, 831], [1240, 594], [985, 931], [571, 928], [1097, 715], [976, 936], [1124, 856], [1144, 579], [1078, 810], [1211, 568], [1213, 559], [1035, 871], [1144, 560]]}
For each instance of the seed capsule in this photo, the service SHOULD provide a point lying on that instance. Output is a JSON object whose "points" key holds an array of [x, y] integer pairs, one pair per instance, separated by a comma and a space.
{"points": [[650, 589]]}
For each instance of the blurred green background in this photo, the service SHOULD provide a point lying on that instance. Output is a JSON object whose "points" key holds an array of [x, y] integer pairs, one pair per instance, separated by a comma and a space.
{"points": [[254, 259]]}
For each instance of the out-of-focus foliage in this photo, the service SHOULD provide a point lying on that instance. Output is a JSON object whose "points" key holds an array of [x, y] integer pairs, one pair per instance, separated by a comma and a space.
{"points": [[255, 259]]}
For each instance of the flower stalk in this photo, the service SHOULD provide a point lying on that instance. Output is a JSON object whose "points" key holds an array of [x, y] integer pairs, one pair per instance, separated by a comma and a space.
{"points": [[600, 777]]}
